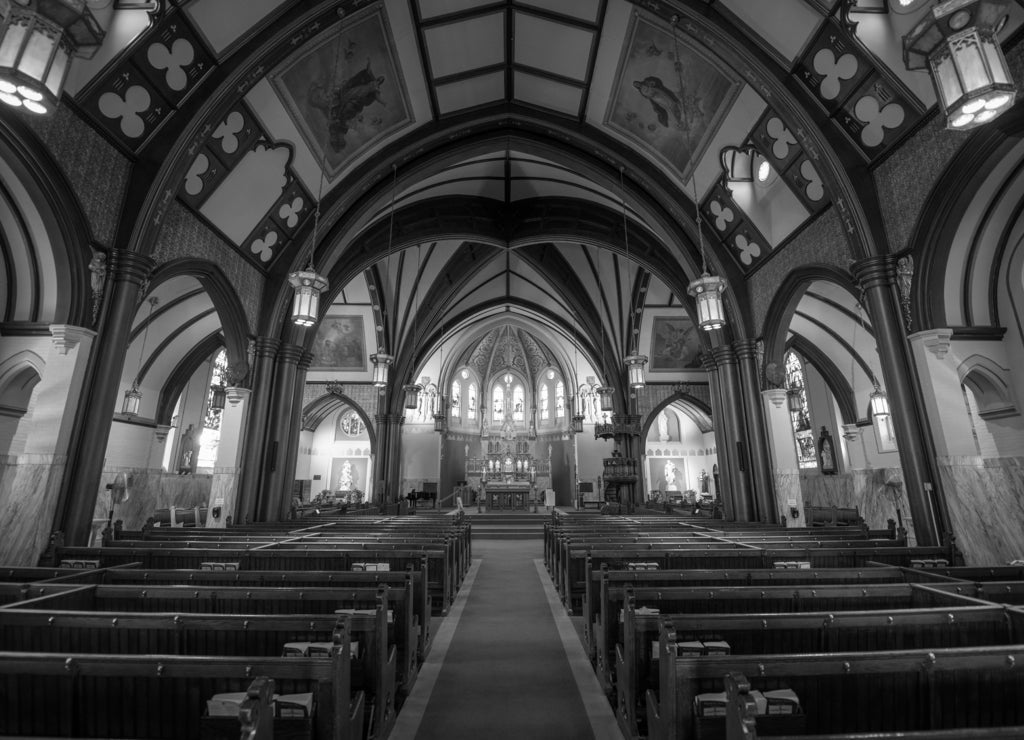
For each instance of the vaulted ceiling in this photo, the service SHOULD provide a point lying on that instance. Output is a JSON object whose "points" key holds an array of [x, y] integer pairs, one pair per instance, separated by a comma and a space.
{"points": [[475, 159]]}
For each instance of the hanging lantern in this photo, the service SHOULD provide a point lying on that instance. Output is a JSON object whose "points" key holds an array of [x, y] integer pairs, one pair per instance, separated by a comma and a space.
{"points": [[577, 423], [707, 289], [218, 395], [607, 402], [381, 364], [795, 400], [441, 417], [412, 394], [879, 402], [132, 400], [308, 286], [37, 40], [635, 367], [958, 41]]}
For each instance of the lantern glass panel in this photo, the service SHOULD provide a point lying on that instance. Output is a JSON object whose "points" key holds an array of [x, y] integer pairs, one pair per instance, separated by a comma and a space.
{"points": [[879, 403], [132, 401], [607, 402], [412, 395]]}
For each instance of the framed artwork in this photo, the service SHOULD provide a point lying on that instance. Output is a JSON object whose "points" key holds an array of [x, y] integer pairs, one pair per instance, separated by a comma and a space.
{"points": [[340, 344], [670, 106], [826, 453], [345, 91], [675, 344]]}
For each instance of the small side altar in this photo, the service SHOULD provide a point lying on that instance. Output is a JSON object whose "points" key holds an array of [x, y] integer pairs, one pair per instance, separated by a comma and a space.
{"points": [[508, 494]]}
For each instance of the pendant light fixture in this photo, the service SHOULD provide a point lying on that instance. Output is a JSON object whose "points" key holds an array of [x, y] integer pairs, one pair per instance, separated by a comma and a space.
{"points": [[412, 388], [878, 400], [706, 289], [957, 40], [308, 283], [382, 360], [133, 397], [634, 361]]}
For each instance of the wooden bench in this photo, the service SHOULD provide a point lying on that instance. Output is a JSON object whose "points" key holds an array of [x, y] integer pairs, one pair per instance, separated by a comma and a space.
{"points": [[143, 696], [848, 692]]}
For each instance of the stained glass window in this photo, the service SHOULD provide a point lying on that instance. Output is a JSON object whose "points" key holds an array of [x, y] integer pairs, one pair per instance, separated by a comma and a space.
{"points": [[803, 433]]}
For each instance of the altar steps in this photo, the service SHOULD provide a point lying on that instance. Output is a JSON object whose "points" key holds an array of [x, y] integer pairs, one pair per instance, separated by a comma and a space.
{"points": [[501, 525]]}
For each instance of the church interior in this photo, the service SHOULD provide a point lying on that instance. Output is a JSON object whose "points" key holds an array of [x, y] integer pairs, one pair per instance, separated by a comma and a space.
{"points": [[700, 286]]}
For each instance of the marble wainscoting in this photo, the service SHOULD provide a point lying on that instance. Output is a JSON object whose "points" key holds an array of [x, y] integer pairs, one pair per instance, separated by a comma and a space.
{"points": [[150, 490], [985, 498], [867, 490], [223, 490], [29, 491]]}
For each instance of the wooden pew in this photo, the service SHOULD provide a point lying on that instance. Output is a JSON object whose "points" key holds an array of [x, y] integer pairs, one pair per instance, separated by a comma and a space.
{"points": [[741, 722], [971, 624], [280, 579], [163, 696], [849, 692]]}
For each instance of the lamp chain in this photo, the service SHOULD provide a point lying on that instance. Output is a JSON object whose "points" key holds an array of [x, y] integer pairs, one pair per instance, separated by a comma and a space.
{"points": [[145, 335], [323, 167]]}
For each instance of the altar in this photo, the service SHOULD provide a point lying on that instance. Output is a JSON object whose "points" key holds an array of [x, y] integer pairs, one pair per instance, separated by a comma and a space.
{"points": [[512, 495]]}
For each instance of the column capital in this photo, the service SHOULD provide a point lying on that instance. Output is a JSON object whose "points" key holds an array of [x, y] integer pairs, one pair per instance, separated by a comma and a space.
{"points": [[936, 341], [67, 336], [776, 395], [746, 349], [131, 267], [723, 355], [875, 272], [237, 394], [305, 360], [290, 353], [708, 362], [265, 347]]}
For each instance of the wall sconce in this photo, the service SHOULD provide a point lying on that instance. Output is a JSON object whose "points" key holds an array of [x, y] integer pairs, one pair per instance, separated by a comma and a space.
{"points": [[37, 39], [957, 41]]}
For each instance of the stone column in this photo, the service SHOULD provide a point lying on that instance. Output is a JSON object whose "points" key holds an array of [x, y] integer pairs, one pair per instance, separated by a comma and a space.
{"points": [[783, 452], [275, 489], [128, 273], [224, 486], [256, 429], [393, 463], [732, 408], [378, 488], [877, 278], [757, 440], [726, 452], [29, 503], [294, 422]]}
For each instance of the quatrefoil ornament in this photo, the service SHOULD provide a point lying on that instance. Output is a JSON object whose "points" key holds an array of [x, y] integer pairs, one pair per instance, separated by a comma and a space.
{"points": [[723, 215], [264, 248]]}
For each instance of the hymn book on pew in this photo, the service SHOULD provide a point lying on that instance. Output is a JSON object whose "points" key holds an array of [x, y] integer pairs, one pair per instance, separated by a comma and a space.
{"points": [[778, 701], [315, 649], [285, 705], [690, 648]]}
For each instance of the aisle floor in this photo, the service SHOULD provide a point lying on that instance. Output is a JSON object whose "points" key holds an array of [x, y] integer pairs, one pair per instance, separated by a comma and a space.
{"points": [[507, 661]]}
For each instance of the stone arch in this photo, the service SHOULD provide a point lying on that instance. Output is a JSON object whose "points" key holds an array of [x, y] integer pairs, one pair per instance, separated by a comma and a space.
{"points": [[19, 375], [990, 385]]}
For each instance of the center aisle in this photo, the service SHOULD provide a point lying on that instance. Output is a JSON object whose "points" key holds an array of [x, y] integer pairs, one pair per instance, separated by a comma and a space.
{"points": [[513, 667]]}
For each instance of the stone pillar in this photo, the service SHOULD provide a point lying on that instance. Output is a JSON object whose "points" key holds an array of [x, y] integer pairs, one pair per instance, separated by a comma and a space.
{"points": [[224, 486], [784, 460], [757, 440], [877, 278], [29, 503], [257, 431], [732, 408], [378, 489], [275, 488], [294, 422], [726, 451], [128, 272], [393, 463]]}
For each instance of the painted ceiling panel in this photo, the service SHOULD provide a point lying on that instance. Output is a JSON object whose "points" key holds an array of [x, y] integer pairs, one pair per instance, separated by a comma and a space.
{"points": [[434, 8], [226, 21], [470, 92], [547, 93], [468, 44], [585, 10], [786, 25], [556, 48]]}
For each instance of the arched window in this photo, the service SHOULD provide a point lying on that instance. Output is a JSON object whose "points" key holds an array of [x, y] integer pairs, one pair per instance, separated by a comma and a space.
{"points": [[560, 400], [545, 412], [803, 433], [498, 403], [456, 402], [518, 403], [209, 439], [471, 411]]}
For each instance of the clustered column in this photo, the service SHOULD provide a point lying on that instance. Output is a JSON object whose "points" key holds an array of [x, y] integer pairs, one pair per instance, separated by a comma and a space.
{"points": [[265, 350], [129, 271], [877, 278], [725, 452], [761, 466], [275, 487], [732, 407]]}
